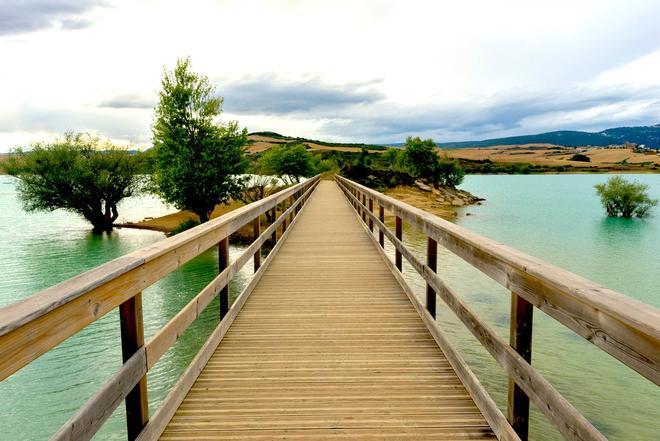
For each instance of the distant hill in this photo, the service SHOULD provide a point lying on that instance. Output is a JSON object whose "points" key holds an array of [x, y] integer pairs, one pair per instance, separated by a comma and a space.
{"points": [[647, 135]]}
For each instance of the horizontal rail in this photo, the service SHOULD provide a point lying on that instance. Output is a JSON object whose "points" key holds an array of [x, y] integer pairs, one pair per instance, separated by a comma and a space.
{"points": [[554, 406], [91, 416], [31, 327], [625, 328]]}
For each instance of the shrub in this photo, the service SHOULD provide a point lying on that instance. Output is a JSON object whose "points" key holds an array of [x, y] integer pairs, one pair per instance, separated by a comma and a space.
{"points": [[185, 225], [622, 198], [289, 162], [580, 157]]}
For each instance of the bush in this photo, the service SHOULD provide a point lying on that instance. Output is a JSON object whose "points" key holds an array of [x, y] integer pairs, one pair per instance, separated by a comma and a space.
{"points": [[580, 157], [289, 162], [185, 225], [622, 198]]}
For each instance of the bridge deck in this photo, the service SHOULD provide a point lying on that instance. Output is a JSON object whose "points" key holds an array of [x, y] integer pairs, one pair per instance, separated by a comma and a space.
{"points": [[328, 346]]}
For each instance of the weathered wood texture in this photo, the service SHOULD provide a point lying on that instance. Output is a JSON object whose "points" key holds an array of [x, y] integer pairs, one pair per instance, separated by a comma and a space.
{"points": [[626, 328], [327, 345]]}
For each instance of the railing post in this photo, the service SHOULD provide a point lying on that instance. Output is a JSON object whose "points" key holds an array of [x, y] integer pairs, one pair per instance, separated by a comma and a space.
{"points": [[399, 235], [371, 210], [381, 217], [520, 339], [256, 232], [284, 220], [364, 203], [132, 339], [432, 263], [291, 201], [273, 237], [223, 262]]}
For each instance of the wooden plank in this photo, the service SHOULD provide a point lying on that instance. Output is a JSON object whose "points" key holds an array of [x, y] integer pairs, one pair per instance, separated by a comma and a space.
{"points": [[570, 423], [625, 328], [31, 327], [162, 416], [327, 344], [520, 339], [132, 339], [90, 417]]}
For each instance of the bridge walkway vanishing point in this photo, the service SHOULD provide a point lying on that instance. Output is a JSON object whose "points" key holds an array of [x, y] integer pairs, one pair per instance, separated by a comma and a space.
{"points": [[328, 344]]}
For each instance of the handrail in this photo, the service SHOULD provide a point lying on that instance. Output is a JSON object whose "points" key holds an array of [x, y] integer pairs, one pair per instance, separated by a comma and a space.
{"points": [[33, 326], [625, 328]]}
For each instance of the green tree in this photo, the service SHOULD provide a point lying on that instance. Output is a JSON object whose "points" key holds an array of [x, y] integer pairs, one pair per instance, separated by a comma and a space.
{"points": [[77, 174], [290, 162], [422, 160], [450, 173], [622, 198], [198, 160], [392, 157]]}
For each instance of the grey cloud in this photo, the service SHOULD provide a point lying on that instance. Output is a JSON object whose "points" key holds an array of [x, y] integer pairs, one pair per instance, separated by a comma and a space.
{"points": [[129, 101], [23, 16], [505, 114], [267, 94]]}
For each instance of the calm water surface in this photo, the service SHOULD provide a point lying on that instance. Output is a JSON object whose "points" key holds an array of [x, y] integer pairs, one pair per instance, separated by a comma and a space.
{"points": [[556, 218]]}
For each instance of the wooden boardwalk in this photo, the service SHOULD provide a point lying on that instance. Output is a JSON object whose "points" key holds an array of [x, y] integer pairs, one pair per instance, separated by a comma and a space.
{"points": [[328, 346]]}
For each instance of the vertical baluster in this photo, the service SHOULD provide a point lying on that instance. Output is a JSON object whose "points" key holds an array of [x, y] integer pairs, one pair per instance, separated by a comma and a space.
{"points": [[371, 210], [399, 235], [223, 262], [285, 218], [520, 339], [432, 262], [273, 237], [381, 217], [256, 232], [364, 204], [132, 339], [291, 201]]}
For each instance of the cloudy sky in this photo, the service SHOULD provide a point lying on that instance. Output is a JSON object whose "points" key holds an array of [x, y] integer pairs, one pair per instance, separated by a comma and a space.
{"points": [[372, 71]]}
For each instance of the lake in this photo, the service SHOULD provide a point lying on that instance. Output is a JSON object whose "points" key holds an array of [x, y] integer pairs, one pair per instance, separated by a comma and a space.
{"points": [[554, 217]]}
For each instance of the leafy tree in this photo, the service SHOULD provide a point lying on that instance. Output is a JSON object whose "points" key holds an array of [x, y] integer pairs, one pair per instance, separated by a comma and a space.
{"points": [[421, 158], [290, 162], [622, 198], [392, 157], [258, 188], [77, 174], [450, 173], [197, 158]]}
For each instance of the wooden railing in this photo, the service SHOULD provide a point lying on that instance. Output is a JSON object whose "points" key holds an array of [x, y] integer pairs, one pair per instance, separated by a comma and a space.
{"points": [[623, 327], [33, 326]]}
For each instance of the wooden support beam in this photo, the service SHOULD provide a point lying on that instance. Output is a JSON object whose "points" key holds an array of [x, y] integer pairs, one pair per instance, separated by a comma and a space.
{"points": [[399, 235], [223, 262], [295, 211], [273, 236], [371, 210], [520, 339], [432, 263], [285, 219], [364, 204], [132, 339], [256, 232], [381, 217]]}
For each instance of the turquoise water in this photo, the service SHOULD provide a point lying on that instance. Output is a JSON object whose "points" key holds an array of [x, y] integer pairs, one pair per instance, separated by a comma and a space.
{"points": [[557, 218]]}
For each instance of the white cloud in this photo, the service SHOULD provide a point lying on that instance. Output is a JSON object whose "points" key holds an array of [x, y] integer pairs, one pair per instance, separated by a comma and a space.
{"points": [[377, 70]]}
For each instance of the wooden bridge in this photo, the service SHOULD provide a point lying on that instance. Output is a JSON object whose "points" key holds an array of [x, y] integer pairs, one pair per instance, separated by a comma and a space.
{"points": [[327, 339]]}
